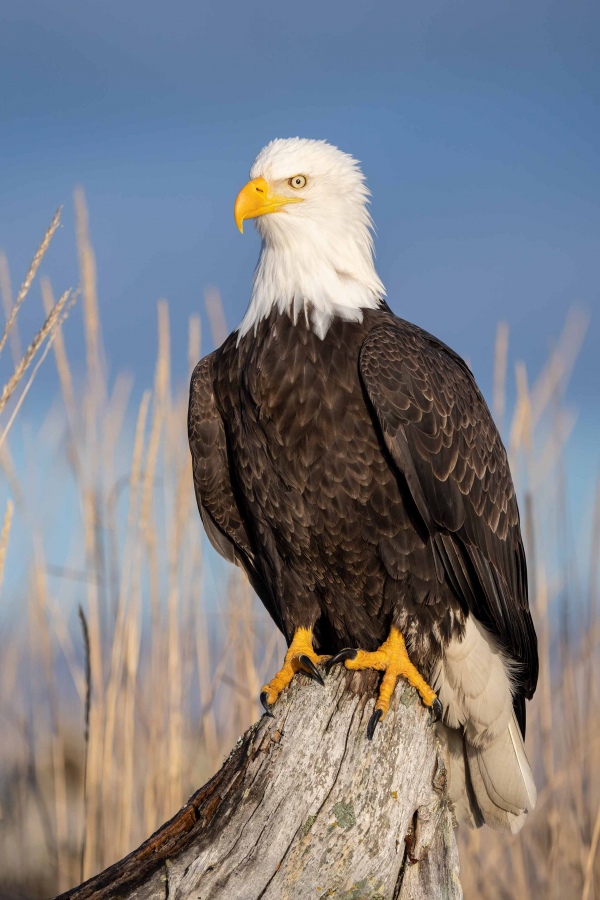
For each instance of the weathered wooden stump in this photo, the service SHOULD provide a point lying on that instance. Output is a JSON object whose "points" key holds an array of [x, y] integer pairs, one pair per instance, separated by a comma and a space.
{"points": [[306, 807]]}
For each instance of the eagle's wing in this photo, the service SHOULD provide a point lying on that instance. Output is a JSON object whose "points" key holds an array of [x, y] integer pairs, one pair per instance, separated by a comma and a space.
{"points": [[215, 493], [441, 436]]}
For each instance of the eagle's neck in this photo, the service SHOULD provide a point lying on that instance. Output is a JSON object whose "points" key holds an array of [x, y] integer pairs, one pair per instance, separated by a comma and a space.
{"points": [[311, 273]]}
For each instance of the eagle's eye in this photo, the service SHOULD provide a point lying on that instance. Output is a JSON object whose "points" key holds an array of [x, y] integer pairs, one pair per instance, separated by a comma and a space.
{"points": [[297, 182]]}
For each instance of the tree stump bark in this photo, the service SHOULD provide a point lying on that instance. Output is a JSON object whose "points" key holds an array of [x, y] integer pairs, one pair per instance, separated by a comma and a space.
{"points": [[306, 807]]}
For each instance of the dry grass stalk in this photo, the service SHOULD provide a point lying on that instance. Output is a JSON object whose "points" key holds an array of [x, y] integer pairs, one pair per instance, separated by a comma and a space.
{"points": [[86, 734], [62, 363], [216, 315], [53, 319], [591, 859], [35, 263], [194, 341], [7, 303], [500, 367], [521, 428], [87, 267], [10, 473], [125, 648], [64, 868], [4, 537], [30, 381]]}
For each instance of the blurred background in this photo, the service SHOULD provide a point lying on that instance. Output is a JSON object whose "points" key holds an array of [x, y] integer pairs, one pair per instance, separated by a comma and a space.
{"points": [[131, 657]]}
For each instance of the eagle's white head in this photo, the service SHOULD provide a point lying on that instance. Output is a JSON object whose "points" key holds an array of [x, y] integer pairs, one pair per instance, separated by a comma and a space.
{"points": [[316, 257]]}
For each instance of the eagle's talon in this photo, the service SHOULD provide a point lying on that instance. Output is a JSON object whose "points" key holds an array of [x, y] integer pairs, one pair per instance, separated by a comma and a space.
{"points": [[346, 653], [311, 669], [392, 659], [265, 705], [373, 721], [300, 657], [436, 711]]}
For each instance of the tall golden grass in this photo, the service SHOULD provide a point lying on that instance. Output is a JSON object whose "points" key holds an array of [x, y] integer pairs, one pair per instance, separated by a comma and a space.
{"points": [[110, 718]]}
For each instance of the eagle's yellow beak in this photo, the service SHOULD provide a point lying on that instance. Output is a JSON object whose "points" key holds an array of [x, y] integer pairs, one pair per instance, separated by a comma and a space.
{"points": [[255, 199]]}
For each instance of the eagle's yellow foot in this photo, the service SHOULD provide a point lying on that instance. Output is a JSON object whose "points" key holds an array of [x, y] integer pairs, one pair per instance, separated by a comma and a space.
{"points": [[392, 659], [300, 657]]}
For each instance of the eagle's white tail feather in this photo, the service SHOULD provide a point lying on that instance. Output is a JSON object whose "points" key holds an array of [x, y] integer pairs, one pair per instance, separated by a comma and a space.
{"points": [[459, 786], [525, 768], [489, 777]]}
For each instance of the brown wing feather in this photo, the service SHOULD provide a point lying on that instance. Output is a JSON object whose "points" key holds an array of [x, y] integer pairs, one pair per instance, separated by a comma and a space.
{"points": [[215, 491], [441, 436]]}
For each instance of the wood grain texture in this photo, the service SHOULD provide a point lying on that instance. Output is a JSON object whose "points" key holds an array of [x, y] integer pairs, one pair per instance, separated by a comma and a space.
{"points": [[306, 807]]}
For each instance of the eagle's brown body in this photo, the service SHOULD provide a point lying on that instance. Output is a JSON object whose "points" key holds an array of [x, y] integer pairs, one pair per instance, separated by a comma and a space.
{"points": [[360, 482]]}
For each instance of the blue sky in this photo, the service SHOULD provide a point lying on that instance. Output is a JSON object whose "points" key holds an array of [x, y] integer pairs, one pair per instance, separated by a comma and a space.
{"points": [[477, 126]]}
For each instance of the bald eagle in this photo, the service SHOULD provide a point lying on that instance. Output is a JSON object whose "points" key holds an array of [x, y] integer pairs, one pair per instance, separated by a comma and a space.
{"points": [[347, 461]]}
